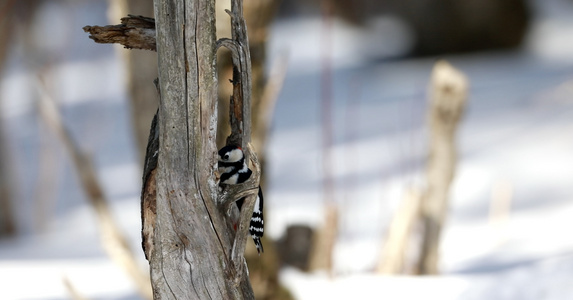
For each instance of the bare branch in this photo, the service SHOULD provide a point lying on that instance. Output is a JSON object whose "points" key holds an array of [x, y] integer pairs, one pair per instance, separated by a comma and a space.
{"points": [[237, 255], [240, 119], [233, 192], [242, 86], [232, 46], [134, 32], [255, 161], [238, 252]]}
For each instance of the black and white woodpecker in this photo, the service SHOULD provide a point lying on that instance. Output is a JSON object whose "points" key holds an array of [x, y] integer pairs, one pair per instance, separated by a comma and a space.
{"points": [[234, 170]]}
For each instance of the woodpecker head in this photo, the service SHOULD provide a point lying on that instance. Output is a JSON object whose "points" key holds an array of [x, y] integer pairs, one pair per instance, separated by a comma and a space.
{"points": [[231, 154]]}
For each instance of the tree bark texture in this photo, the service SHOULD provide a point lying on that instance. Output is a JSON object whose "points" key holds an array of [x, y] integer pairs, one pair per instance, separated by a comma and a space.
{"points": [[194, 255], [263, 269], [448, 98], [193, 250], [134, 32], [258, 15]]}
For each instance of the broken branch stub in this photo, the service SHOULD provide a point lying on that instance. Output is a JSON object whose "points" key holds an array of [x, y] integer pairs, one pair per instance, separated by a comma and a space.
{"points": [[134, 32]]}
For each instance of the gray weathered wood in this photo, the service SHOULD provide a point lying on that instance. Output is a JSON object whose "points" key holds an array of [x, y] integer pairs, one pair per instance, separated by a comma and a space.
{"points": [[192, 249], [134, 32], [192, 242], [240, 108]]}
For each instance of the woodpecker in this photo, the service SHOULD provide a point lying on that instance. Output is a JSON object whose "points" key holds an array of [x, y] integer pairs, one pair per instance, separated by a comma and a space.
{"points": [[234, 170]]}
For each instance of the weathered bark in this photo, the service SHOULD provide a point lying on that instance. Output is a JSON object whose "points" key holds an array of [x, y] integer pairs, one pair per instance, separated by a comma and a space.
{"points": [[258, 15], [448, 97], [134, 32], [149, 190], [192, 248], [195, 254], [263, 269]]}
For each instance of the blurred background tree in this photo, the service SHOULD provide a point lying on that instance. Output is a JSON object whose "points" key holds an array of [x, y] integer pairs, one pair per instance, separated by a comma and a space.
{"points": [[15, 18]]}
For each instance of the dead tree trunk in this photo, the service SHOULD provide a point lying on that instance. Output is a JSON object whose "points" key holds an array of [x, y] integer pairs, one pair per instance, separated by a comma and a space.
{"points": [[448, 97], [194, 255], [192, 249]]}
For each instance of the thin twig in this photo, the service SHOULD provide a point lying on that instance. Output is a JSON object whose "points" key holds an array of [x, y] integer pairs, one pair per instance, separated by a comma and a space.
{"points": [[71, 289]]}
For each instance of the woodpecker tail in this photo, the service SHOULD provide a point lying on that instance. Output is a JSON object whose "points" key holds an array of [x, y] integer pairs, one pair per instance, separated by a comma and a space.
{"points": [[258, 244], [257, 223]]}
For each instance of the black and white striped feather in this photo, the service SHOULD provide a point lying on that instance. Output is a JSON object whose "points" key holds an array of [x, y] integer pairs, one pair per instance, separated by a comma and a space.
{"points": [[234, 170]]}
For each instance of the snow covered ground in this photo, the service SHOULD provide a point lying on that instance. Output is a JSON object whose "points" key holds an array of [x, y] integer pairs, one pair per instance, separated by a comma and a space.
{"points": [[516, 135]]}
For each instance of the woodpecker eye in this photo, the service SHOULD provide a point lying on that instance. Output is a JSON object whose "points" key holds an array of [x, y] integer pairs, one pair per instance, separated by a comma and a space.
{"points": [[226, 156]]}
